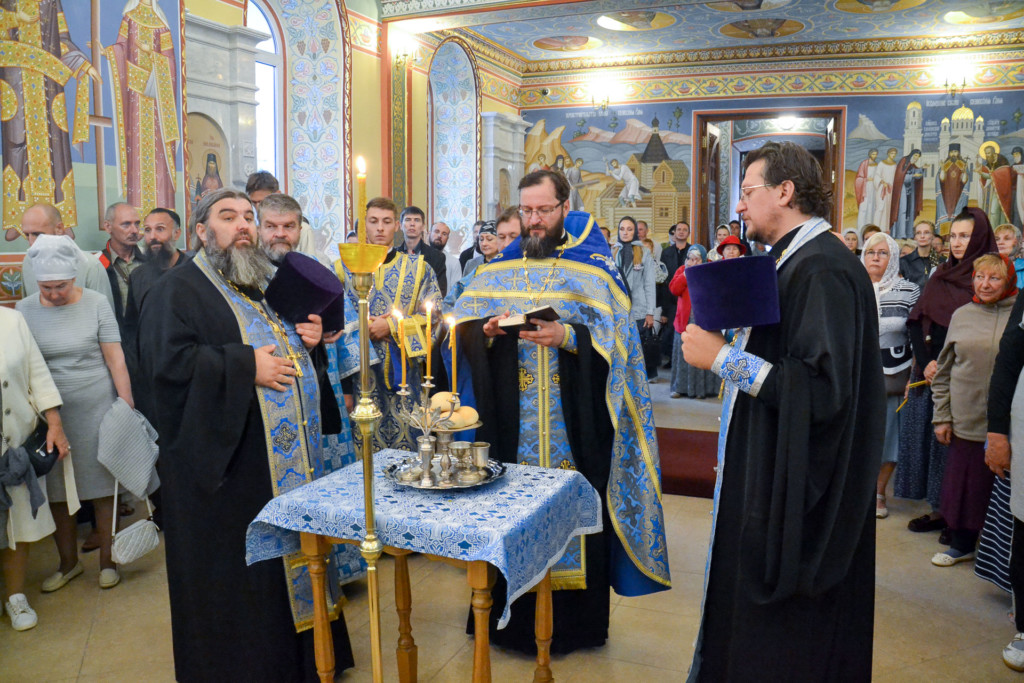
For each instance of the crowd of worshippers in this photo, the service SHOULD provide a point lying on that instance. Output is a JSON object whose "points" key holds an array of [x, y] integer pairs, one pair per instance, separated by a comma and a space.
{"points": [[190, 340]]}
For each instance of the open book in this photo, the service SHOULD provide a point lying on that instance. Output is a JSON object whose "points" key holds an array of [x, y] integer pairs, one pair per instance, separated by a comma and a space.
{"points": [[517, 323]]}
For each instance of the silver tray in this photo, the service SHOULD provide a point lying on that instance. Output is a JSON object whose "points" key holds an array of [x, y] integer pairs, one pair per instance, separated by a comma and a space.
{"points": [[394, 472]]}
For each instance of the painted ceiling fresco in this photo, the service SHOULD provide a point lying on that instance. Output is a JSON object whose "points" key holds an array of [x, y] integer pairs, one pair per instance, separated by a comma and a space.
{"points": [[597, 28]]}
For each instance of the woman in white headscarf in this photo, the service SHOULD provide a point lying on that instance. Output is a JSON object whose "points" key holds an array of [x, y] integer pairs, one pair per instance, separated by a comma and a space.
{"points": [[79, 339], [895, 297]]}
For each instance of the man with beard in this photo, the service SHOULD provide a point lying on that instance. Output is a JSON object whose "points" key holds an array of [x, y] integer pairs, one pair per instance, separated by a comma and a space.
{"points": [[261, 185], [570, 394], [412, 220], [406, 285], [121, 255], [908, 196], [161, 231], [439, 234], [239, 424], [953, 185], [791, 575]]}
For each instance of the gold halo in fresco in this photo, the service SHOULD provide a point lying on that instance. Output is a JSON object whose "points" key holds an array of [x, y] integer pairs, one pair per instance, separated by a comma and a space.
{"points": [[749, 5], [875, 6], [761, 29], [635, 21], [567, 43], [985, 12]]}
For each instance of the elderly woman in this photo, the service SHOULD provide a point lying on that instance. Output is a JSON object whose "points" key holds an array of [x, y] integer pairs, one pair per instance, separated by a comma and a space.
{"points": [[922, 458], [895, 297], [1008, 242], [78, 337], [960, 394], [27, 392], [686, 379], [721, 232]]}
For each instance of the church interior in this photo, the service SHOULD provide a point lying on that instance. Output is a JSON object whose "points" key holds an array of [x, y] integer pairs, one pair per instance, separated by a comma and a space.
{"points": [[448, 103]]}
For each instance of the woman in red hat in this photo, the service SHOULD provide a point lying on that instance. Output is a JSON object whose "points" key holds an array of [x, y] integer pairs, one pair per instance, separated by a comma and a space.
{"points": [[731, 247]]}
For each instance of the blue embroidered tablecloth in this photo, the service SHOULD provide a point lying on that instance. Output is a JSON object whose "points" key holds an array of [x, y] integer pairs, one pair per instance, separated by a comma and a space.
{"points": [[520, 523]]}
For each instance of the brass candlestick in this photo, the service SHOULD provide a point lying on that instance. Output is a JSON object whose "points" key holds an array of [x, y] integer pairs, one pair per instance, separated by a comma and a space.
{"points": [[362, 261]]}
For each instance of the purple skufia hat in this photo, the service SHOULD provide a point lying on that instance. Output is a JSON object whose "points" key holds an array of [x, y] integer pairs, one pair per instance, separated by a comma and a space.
{"points": [[732, 293], [302, 287], [334, 315]]}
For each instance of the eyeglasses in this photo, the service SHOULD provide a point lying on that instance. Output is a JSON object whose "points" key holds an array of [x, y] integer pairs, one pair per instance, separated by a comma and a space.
{"points": [[542, 212], [745, 191], [879, 253]]}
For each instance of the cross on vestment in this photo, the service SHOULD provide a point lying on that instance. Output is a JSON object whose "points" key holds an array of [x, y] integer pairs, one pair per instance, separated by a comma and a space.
{"points": [[739, 368], [294, 357]]}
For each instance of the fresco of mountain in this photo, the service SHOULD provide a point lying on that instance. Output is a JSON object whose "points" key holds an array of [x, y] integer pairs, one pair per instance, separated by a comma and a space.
{"points": [[635, 132]]}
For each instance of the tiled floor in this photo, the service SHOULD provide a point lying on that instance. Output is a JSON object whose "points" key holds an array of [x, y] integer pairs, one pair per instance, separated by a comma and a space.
{"points": [[931, 624]]}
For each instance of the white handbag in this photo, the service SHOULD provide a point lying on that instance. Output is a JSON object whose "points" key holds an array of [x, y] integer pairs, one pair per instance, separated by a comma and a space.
{"points": [[138, 539]]}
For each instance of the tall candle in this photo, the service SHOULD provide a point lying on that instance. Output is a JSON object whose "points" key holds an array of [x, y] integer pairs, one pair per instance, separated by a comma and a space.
{"points": [[361, 185], [397, 314], [429, 306], [451, 345]]}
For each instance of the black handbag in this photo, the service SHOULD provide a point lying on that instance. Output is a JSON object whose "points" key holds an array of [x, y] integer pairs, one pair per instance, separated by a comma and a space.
{"points": [[650, 344], [42, 460]]}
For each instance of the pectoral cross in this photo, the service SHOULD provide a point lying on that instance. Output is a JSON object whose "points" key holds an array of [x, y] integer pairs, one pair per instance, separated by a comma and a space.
{"points": [[294, 357]]}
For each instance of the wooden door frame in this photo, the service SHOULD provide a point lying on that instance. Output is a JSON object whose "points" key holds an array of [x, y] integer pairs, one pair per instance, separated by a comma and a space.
{"points": [[699, 205]]}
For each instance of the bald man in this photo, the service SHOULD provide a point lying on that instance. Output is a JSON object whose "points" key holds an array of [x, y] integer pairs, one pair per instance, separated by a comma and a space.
{"points": [[44, 219], [438, 238]]}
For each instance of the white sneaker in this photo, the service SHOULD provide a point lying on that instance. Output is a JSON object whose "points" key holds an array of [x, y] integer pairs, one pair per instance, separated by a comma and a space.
{"points": [[22, 616], [1013, 653]]}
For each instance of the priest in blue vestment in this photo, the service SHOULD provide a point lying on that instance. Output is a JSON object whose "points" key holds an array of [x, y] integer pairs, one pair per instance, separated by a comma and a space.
{"points": [[571, 394]]}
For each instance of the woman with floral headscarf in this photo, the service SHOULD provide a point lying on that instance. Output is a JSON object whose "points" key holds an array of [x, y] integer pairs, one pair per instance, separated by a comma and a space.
{"points": [[895, 297], [960, 395], [922, 458], [686, 379]]}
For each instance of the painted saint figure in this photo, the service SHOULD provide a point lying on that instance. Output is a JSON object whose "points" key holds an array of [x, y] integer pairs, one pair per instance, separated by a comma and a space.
{"points": [[144, 83], [908, 196], [865, 190], [952, 185], [574, 174], [211, 181], [996, 183], [884, 175], [38, 61], [630, 194]]}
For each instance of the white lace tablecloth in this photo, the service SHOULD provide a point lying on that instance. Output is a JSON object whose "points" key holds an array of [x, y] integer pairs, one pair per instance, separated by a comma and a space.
{"points": [[520, 523]]}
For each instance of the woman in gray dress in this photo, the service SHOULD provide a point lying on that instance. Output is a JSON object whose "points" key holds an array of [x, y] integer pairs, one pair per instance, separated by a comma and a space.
{"points": [[79, 339]]}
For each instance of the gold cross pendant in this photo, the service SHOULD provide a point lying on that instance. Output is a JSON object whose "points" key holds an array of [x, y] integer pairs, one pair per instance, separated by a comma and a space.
{"points": [[294, 358]]}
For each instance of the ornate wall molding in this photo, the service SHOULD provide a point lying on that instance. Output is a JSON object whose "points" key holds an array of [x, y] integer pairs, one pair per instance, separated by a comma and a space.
{"points": [[755, 55], [399, 131], [318, 113], [832, 77], [454, 125], [365, 33]]}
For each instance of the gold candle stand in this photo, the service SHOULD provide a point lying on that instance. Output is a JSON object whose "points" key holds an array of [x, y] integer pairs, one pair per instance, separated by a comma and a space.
{"points": [[362, 261]]}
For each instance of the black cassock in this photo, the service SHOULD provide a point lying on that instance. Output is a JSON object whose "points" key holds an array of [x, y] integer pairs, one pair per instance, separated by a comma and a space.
{"points": [[230, 622], [580, 616], [791, 583]]}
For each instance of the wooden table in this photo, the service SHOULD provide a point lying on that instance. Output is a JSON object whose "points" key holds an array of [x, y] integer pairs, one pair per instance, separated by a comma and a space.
{"points": [[480, 576]]}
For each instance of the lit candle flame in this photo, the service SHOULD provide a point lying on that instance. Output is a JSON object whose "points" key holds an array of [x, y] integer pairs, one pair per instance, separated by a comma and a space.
{"points": [[361, 165]]}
